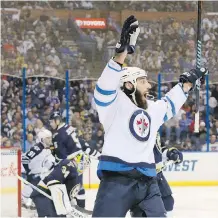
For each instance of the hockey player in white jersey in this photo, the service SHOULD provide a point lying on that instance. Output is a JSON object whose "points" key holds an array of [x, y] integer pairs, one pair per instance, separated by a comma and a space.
{"points": [[37, 162], [127, 165]]}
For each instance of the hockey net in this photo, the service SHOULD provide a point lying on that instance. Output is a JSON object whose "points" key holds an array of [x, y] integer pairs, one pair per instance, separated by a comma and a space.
{"points": [[10, 185]]}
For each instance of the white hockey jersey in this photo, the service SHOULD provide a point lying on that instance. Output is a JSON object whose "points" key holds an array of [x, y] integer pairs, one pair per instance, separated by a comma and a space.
{"points": [[130, 132], [38, 160]]}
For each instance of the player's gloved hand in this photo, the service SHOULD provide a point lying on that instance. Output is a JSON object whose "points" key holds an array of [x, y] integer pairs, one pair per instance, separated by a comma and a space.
{"points": [[193, 75], [129, 35], [87, 149], [175, 155]]}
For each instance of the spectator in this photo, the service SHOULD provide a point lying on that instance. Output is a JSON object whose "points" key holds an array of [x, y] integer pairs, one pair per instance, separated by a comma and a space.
{"points": [[7, 144], [30, 119], [80, 106], [30, 129], [53, 58], [53, 100], [16, 140], [16, 128], [184, 124], [6, 126], [215, 128], [29, 142], [39, 126], [213, 144], [99, 139], [215, 93], [187, 146], [172, 124], [88, 137]]}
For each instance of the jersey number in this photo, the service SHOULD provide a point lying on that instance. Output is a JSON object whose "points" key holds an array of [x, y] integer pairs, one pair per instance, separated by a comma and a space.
{"points": [[65, 171], [72, 132], [31, 154]]}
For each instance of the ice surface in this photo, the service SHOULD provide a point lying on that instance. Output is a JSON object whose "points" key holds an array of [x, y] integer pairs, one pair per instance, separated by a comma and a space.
{"points": [[193, 202]]}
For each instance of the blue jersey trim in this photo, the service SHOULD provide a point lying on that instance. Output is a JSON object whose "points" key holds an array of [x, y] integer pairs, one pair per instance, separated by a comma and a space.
{"points": [[117, 167], [115, 164], [104, 104], [165, 118], [147, 172], [172, 106], [104, 92], [118, 160], [114, 68], [111, 166]]}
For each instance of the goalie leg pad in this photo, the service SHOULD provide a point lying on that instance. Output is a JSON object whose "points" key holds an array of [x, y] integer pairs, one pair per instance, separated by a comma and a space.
{"points": [[60, 199]]}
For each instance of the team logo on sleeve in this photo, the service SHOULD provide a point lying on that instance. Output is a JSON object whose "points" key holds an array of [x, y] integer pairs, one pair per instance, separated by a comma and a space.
{"points": [[139, 125]]}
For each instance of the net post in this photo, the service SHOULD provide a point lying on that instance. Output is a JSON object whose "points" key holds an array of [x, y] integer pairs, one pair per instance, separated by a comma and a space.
{"points": [[24, 108], [19, 182]]}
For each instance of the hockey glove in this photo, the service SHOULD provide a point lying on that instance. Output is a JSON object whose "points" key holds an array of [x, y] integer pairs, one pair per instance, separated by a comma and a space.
{"points": [[175, 155], [129, 35], [193, 75]]}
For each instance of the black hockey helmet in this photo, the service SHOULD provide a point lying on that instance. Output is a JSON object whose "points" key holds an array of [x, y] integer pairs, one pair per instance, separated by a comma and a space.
{"points": [[56, 115], [55, 120]]}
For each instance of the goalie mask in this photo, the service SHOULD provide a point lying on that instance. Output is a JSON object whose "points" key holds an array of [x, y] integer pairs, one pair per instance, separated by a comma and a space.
{"points": [[131, 74], [45, 137]]}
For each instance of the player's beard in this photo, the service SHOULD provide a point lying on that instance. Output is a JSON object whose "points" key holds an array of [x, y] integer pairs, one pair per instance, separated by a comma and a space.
{"points": [[141, 100]]}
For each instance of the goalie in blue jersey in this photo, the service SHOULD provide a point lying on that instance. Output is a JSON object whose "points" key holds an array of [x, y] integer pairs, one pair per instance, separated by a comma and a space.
{"points": [[127, 165]]}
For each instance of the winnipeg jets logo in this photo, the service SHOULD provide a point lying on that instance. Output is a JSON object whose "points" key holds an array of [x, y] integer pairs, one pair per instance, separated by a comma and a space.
{"points": [[142, 125], [139, 125]]}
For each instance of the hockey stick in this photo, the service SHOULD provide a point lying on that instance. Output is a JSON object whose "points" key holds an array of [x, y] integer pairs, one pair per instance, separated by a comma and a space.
{"points": [[165, 164], [76, 210], [198, 66]]}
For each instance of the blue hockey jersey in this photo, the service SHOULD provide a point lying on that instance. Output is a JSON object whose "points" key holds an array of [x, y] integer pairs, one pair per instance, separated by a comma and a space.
{"points": [[65, 141]]}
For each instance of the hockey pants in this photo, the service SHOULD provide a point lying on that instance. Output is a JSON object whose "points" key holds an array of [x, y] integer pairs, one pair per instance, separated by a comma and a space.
{"points": [[166, 195], [120, 192], [166, 192]]}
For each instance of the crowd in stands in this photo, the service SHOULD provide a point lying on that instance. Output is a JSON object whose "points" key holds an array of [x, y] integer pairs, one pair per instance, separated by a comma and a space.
{"points": [[112, 5], [43, 46], [49, 45], [44, 96], [46, 47], [168, 46], [179, 130]]}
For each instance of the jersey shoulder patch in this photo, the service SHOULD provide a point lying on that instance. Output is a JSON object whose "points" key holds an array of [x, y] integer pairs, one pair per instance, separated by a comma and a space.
{"points": [[139, 125], [34, 151]]}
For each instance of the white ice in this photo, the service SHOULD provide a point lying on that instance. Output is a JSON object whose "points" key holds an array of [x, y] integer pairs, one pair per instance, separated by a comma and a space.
{"points": [[189, 202]]}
